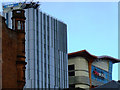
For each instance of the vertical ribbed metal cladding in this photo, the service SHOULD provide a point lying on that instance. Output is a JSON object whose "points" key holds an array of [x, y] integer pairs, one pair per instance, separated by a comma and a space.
{"points": [[29, 51], [58, 50], [41, 50], [54, 52], [28, 44], [67, 82], [44, 17], [65, 53], [48, 44], [34, 43], [51, 32], [58, 34], [58, 53], [54, 45], [37, 49]]}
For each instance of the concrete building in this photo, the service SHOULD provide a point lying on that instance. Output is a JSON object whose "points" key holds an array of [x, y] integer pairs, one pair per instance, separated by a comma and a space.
{"points": [[86, 70], [12, 52], [46, 49]]}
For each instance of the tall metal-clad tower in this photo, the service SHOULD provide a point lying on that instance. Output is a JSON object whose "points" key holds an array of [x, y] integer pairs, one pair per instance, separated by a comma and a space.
{"points": [[45, 49]]}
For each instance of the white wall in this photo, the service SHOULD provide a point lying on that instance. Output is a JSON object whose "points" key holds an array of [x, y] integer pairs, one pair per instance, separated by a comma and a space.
{"points": [[82, 86], [81, 66], [102, 64], [81, 69]]}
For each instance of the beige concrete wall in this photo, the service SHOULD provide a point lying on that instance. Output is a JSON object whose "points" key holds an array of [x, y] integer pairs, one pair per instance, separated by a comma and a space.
{"points": [[81, 73], [72, 60], [102, 64], [81, 66], [81, 86]]}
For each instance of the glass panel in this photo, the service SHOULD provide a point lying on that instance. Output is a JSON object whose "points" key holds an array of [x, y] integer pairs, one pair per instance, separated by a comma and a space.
{"points": [[70, 67], [72, 73], [18, 11], [72, 86], [19, 25]]}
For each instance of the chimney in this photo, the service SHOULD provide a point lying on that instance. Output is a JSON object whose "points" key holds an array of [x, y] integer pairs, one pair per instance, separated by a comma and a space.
{"points": [[18, 20], [18, 24]]}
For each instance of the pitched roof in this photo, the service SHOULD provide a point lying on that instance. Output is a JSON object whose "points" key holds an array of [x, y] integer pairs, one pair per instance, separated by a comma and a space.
{"points": [[88, 56]]}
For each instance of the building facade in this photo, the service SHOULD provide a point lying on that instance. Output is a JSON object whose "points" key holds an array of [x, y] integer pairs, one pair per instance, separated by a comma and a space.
{"points": [[12, 47], [86, 70], [46, 50]]}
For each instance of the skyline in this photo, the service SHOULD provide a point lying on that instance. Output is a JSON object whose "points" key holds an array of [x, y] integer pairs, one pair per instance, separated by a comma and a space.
{"points": [[91, 15]]}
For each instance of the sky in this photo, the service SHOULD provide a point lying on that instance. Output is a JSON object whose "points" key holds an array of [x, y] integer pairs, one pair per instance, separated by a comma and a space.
{"points": [[91, 25]]}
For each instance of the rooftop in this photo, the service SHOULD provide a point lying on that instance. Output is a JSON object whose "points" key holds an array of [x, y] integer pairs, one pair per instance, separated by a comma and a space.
{"points": [[87, 55], [21, 5]]}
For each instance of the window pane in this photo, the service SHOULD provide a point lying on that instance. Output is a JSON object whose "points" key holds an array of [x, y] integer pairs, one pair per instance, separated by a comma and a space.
{"points": [[19, 25], [70, 67], [71, 73], [72, 86]]}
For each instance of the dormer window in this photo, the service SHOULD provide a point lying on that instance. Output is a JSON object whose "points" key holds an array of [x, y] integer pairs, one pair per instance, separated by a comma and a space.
{"points": [[18, 11], [19, 25]]}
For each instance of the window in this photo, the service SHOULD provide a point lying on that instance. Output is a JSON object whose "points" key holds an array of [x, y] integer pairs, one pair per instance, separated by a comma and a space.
{"points": [[71, 69], [72, 86], [19, 25], [71, 73], [18, 11], [13, 24]]}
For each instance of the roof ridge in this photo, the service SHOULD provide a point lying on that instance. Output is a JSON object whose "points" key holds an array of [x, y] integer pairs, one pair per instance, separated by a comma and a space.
{"points": [[84, 53]]}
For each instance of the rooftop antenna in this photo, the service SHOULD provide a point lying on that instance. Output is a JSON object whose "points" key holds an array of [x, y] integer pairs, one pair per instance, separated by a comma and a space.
{"points": [[31, 0], [23, 4]]}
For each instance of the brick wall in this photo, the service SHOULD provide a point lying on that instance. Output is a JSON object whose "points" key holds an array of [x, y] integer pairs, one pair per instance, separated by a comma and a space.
{"points": [[13, 44]]}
